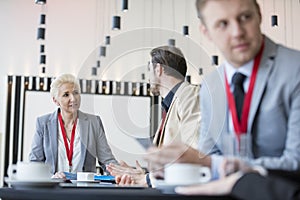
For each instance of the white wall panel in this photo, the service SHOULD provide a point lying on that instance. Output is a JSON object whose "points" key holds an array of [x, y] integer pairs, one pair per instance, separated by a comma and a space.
{"points": [[124, 118]]}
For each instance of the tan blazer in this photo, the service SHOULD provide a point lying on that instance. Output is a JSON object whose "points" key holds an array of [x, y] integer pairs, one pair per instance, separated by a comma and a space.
{"points": [[182, 122]]}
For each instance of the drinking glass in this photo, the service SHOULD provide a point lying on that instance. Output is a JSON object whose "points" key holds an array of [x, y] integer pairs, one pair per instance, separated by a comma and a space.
{"points": [[236, 152], [230, 146]]}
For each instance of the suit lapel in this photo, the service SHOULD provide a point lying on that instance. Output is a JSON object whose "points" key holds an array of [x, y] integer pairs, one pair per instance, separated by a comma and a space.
{"points": [[161, 137], [155, 138], [221, 99], [84, 130], [262, 78], [52, 128]]}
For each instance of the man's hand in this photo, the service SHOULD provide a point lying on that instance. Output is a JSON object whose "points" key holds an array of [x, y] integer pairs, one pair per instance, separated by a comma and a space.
{"points": [[175, 152], [59, 175], [126, 175], [222, 186], [232, 165], [124, 180]]}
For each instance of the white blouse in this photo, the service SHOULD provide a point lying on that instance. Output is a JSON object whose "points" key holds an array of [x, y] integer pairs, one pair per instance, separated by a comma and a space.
{"points": [[63, 163]]}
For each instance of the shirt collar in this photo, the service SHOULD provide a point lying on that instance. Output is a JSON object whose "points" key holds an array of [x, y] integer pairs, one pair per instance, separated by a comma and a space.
{"points": [[166, 102], [245, 69]]}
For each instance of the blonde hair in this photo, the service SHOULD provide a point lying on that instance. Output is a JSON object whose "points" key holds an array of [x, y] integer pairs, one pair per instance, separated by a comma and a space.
{"points": [[60, 80]]}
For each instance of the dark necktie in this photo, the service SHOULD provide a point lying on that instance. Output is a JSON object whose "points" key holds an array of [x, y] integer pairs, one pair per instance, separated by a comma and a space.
{"points": [[238, 92]]}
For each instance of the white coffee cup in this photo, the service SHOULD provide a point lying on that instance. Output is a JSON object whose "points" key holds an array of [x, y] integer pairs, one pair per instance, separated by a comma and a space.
{"points": [[185, 174], [29, 171], [85, 176]]}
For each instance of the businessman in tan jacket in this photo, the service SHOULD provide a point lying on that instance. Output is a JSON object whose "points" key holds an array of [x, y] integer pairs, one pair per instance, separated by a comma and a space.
{"points": [[180, 109], [167, 70]]}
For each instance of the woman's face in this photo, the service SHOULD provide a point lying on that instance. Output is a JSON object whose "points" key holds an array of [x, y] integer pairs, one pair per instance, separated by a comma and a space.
{"points": [[68, 98]]}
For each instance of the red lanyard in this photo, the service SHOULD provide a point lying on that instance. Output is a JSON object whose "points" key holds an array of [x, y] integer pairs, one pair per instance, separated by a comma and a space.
{"points": [[68, 150], [241, 126]]}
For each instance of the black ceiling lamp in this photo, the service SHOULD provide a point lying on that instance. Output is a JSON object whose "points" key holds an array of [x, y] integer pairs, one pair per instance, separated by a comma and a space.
{"points": [[94, 71], [274, 20], [43, 59], [42, 48], [171, 42], [116, 23], [42, 19], [107, 40], [43, 70], [41, 2], [41, 33], [188, 78], [274, 17], [103, 51], [185, 30], [200, 71], [124, 5], [215, 60]]}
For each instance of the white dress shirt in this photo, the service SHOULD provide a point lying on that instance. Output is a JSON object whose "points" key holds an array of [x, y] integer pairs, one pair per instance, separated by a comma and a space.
{"points": [[230, 71]]}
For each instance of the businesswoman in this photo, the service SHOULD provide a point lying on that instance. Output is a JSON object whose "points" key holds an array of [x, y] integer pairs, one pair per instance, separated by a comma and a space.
{"points": [[69, 140]]}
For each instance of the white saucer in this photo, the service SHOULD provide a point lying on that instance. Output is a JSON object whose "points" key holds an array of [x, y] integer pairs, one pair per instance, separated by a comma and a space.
{"points": [[22, 184]]}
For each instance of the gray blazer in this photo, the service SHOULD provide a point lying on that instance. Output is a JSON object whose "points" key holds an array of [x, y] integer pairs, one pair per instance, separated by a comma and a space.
{"points": [[274, 118], [93, 142]]}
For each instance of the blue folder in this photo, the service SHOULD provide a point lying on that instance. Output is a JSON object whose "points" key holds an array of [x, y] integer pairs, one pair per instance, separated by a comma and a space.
{"points": [[104, 178]]}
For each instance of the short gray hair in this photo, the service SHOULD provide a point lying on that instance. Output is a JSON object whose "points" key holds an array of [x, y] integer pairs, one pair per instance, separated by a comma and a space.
{"points": [[60, 80]]}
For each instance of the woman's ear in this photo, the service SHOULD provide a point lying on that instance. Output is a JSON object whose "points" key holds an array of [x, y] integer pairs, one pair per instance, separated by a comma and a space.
{"points": [[55, 101]]}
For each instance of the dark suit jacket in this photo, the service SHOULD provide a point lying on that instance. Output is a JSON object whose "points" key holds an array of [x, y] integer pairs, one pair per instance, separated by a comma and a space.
{"points": [[277, 185]]}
